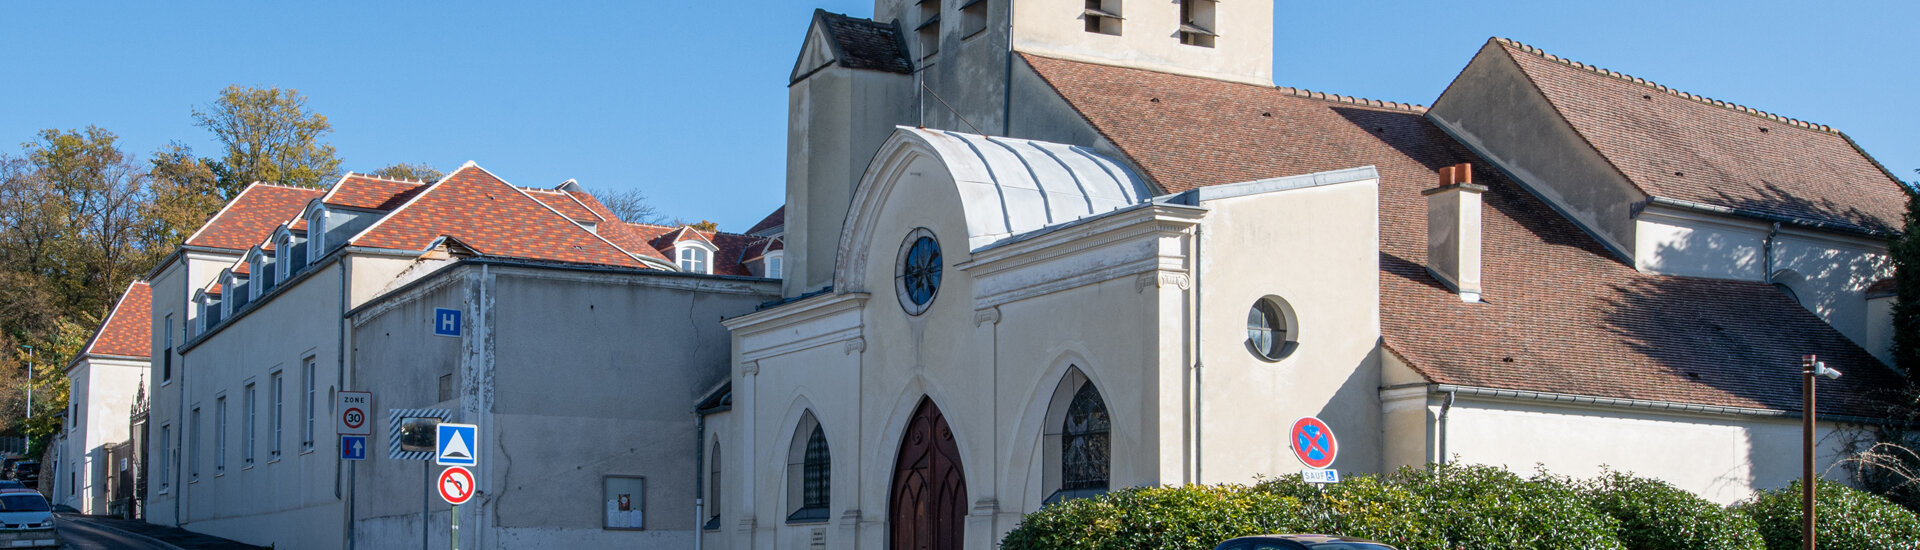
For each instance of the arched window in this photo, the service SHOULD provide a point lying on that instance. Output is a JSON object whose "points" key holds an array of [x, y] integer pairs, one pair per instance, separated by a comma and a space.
{"points": [[713, 489], [809, 472], [1080, 453]]}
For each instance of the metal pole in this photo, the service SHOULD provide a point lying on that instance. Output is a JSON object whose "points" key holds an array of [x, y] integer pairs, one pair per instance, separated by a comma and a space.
{"points": [[456, 527], [32, 355], [1807, 364], [426, 499]]}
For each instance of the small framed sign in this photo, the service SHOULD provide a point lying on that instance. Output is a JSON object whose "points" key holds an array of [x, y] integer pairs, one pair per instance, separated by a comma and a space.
{"points": [[625, 502]]}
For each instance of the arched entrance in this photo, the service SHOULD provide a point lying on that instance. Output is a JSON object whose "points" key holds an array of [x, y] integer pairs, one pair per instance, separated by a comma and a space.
{"points": [[929, 503]]}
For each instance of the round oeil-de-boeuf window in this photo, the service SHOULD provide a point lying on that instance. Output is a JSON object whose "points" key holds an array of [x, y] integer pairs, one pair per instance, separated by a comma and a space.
{"points": [[917, 275]]}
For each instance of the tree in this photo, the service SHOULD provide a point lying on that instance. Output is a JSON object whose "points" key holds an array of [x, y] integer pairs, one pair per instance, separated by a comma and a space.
{"points": [[630, 205], [408, 171], [269, 137], [1905, 253], [185, 194]]}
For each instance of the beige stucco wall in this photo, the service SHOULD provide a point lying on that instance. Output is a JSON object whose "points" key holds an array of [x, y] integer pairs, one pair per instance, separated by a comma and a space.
{"points": [[1829, 273], [1493, 108], [836, 119], [1149, 38], [572, 376], [173, 289], [103, 391]]}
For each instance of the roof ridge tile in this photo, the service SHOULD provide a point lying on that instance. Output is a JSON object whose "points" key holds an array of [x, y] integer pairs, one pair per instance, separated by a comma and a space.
{"points": [[1517, 45], [1352, 100]]}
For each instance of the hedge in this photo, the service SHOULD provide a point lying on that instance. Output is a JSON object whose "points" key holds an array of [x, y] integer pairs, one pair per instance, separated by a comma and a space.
{"points": [[1451, 507], [1849, 519]]}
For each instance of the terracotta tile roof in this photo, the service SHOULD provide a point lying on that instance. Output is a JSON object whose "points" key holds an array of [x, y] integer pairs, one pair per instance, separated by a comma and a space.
{"points": [[372, 193], [635, 237], [128, 330], [251, 217], [492, 217], [660, 239], [775, 221], [1562, 315], [1679, 145], [593, 203], [566, 204], [866, 44], [732, 257]]}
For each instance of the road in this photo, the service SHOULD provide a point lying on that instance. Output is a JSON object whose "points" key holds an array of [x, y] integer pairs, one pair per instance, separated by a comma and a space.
{"points": [[79, 535]]}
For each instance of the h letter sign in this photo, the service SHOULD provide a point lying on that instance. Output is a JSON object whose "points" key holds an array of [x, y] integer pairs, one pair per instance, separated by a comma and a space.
{"points": [[446, 322]]}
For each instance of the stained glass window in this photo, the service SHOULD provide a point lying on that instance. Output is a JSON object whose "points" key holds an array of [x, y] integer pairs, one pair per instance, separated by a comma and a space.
{"points": [[818, 480], [1085, 444], [918, 280]]}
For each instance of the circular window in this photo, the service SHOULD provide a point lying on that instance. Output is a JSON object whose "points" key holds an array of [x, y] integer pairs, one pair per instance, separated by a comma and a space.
{"points": [[1270, 329], [917, 275]]}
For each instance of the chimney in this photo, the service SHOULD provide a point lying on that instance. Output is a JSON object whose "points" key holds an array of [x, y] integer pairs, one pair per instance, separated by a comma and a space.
{"points": [[1453, 231]]}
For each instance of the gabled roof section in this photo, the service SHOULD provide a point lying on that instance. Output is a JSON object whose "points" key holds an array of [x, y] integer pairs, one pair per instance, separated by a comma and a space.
{"points": [[660, 239], [372, 193], [128, 330], [1678, 145], [772, 224], [566, 204], [252, 216], [1562, 315], [853, 43], [493, 218]]}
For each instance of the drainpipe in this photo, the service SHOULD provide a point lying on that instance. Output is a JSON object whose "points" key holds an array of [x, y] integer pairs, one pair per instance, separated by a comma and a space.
{"points": [[1445, 407], [1199, 311], [340, 383], [1768, 276], [699, 460]]}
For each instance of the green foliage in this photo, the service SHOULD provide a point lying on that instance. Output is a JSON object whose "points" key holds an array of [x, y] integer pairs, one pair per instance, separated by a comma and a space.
{"points": [[1484, 507], [270, 137], [1905, 254], [1655, 515], [1848, 519], [409, 171], [1193, 517]]}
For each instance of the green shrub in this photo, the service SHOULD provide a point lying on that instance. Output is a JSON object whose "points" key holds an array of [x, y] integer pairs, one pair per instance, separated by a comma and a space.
{"points": [[1362, 506], [1484, 507], [1193, 517], [1655, 515], [1849, 519]]}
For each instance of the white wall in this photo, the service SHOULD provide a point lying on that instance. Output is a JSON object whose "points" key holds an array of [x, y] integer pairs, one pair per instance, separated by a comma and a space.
{"points": [[104, 388]]}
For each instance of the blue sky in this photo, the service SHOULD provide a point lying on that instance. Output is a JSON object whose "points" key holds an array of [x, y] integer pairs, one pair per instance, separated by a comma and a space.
{"points": [[687, 100]]}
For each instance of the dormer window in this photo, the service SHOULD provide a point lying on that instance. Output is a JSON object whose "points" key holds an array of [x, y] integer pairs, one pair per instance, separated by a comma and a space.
{"points": [[776, 265], [199, 312], [316, 233], [260, 265], [1196, 23], [695, 258], [1103, 16]]}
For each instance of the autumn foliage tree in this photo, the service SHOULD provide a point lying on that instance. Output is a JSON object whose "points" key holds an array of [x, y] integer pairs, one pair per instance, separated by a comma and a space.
{"points": [[269, 136]]}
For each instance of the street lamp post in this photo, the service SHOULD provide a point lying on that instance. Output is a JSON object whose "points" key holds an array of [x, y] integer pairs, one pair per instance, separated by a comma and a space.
{"points": [[1810, 366], [31, 357]]}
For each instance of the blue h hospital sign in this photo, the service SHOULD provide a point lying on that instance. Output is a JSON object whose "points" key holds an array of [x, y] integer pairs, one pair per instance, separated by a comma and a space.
{"points": [[446, 322]]}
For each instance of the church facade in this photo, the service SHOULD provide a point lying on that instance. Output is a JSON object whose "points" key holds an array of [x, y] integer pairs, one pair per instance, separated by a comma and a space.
{"points": [[1040, 251]]}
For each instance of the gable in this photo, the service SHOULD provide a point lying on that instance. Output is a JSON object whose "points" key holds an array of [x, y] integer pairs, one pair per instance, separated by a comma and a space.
{"points": [[493, 218]]}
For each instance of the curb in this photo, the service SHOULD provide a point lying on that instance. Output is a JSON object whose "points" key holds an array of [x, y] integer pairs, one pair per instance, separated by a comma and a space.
{"points": [[103, 527]]}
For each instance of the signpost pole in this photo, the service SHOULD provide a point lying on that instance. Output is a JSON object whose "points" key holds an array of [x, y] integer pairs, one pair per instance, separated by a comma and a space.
{"points": [[456, 527], [426, 501]]}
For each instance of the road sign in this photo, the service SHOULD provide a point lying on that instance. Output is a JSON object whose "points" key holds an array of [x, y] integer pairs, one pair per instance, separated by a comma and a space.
{"points": [[410, 432], [353, 447], [455, 485], [457, 443], [1313, 443], [446, 322], [356, 413], [1312, 475]]}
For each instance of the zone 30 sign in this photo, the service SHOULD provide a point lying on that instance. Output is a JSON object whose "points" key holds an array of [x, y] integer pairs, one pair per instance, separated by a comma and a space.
{"points": [[356, 412]]}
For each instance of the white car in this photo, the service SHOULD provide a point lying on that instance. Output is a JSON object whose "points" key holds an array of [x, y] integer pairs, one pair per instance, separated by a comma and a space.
{"points": [[25, 520]]}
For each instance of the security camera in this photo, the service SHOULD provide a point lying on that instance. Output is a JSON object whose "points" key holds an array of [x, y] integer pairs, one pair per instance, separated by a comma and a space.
{"points": [[1820, 369]]}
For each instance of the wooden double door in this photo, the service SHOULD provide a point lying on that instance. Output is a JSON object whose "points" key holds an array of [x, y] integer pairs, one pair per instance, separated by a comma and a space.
{"points": [[929, 498]]}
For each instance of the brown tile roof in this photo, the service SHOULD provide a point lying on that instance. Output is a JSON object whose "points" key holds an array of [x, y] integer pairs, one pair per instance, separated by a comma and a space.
{"points": [[776, 220], [372, 193], [1679, 145], [128, 330], [492, 217], [251, 217], [1562, 315], [566, 204], [659, 239], [593, 203], [866, 44]]}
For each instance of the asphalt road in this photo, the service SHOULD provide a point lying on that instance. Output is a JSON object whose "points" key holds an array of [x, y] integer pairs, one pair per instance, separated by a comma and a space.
{"points": [[79, 535]]}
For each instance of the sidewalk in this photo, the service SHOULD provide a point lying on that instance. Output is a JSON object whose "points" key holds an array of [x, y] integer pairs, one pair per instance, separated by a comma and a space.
{"points": [[179, 538]]}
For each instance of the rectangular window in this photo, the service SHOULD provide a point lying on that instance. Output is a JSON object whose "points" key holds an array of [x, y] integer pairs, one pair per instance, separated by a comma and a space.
{"points": [[246, 456], [279, 415], [1196, 23], [773, 267], [193, 446], [693, 260], [166, 457], [973, 17], [307, 403], [166, 353], [1103, 16], [929, 28], [220, 435]]}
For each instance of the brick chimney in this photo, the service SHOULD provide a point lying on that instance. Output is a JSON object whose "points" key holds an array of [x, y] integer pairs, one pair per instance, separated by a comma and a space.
{"points": [[1453, 231]]}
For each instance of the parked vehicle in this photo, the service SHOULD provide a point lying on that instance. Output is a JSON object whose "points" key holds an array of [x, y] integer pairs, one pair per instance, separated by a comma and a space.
{"points": [[11, 484], [1301, 542], [28, 472], [25, 520], [6, 468]]}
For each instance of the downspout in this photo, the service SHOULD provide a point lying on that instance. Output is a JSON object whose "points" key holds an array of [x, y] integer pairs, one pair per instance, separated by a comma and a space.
{"points": [[699, 461], [1768, 276], [1445, 407], [1199, 314], [1006, 99], [173, 462]]}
